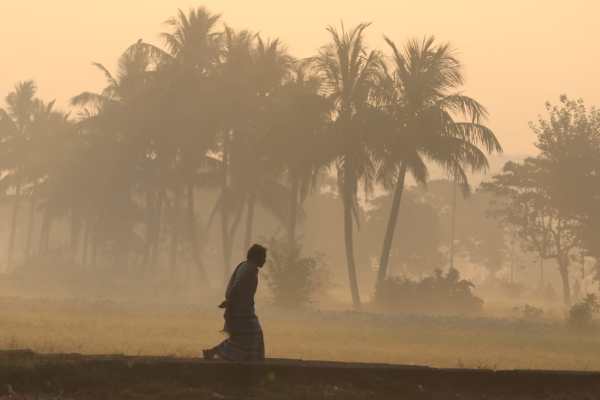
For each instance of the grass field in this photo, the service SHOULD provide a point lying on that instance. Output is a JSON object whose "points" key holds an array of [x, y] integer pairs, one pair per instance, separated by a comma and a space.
{"points": [[51, 326]]}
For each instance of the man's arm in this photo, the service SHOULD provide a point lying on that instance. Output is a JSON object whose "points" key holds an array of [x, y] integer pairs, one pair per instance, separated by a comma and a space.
{"points": [[243, 288]]}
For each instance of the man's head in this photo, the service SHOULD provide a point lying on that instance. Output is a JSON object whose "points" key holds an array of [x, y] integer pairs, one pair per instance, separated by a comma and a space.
{"points": [[257, 254]]}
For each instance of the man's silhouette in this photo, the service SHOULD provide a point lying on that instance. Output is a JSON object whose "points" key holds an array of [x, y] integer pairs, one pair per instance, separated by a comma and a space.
{"points": [[245, 341]]}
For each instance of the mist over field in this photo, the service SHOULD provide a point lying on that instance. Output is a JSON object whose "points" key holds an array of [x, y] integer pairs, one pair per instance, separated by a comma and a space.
{"points": [[425, 197]]}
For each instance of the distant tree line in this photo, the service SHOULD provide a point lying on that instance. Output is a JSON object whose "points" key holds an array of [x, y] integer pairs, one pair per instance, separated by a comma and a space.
{"points": [[235, 113]]}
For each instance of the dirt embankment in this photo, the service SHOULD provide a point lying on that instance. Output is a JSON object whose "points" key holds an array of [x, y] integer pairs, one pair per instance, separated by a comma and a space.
{"points": [[26, 375]]}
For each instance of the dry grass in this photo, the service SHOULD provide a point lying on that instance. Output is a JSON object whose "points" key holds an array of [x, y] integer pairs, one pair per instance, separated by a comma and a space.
{"points": [[103, 328]]}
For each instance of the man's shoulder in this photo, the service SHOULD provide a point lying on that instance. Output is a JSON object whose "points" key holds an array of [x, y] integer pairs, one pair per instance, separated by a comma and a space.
{"points": [[248, 267]]}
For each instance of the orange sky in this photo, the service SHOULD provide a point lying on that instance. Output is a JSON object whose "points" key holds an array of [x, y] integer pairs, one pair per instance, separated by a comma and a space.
{"points": [[517, 54]]}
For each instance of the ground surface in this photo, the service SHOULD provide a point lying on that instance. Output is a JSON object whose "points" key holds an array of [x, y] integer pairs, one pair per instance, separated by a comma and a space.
{"points": [[28, 376], [51, 326]]}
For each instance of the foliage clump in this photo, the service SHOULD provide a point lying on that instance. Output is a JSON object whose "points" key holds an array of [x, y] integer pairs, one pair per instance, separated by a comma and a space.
{"points": [[581, 314], [528, 312], [294, 279], [444, 293]]}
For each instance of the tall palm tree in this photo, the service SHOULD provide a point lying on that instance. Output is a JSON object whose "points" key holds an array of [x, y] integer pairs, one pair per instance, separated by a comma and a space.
{"points": [[194, 49], [272, 65], [421, 103], [297, 135], [251, 76], [45, 142], [237, 103], [115, 123], [350, 73], [16, 123]]}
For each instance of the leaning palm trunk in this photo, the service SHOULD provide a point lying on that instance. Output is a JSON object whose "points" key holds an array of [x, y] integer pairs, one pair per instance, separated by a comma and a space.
{"points": [[349, 244], [13, 226], [194, 235], [391, 227]]}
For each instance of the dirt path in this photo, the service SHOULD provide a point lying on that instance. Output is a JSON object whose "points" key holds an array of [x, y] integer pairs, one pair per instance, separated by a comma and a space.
{"points": [[27, 375]]}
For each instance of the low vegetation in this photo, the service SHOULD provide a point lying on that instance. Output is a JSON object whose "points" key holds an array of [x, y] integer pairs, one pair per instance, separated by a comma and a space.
{"points": [[293, 279], [441, 293]]}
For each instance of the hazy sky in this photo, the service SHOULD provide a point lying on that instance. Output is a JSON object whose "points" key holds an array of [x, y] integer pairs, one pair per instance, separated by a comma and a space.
{"points": [[517, 53]]}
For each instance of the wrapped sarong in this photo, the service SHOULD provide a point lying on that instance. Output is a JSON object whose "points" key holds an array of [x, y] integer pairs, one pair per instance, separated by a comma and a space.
{"points": [[245, 341]]}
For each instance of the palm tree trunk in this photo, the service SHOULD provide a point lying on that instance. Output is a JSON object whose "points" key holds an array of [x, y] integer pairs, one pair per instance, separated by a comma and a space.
{"points": [[453, 224], [86, 242], [563, 265], [45, 226], [194, 234], [175, 232], [157, 228], [47, 234], [30, 226], [225, 239], [95, 240], [542, 273], [149, 229], [293, 217], [75, 233], [13, 227], [349, 242], [231, 233], [391, 227], [249, 220]]}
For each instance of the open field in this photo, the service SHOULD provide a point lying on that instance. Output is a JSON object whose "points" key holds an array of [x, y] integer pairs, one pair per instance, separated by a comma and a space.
{"points": [[51, 326]]}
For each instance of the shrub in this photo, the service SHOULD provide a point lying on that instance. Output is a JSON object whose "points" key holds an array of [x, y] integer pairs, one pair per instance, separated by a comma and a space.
{"points": [[439, 293], [292, 278], [528, 312], [581, 315]]}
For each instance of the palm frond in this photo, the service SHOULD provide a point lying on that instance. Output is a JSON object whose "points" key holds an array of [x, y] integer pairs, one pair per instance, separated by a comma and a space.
{"points": [[107, 75], [89, 98]]}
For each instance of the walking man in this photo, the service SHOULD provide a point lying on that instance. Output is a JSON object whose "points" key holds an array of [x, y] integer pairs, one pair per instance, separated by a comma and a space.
{"points": [[245, 338]]}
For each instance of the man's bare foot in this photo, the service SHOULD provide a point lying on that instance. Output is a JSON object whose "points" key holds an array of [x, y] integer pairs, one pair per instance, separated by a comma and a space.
{"points": [[208, 354]]}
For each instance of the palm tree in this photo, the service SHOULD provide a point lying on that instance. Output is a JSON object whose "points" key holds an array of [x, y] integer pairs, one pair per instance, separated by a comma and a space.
{"points": [[296, 140], [251, 75], [49, 131], [237, 103], [115, 124], [272, 65], [421, 103], [16, 123], [194, 48], [350, 73]]}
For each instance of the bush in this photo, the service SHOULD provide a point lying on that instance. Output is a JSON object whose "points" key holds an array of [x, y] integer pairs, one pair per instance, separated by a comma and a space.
{"points": [[439, 293], [528, 312], [581, 315], [292, 278]]}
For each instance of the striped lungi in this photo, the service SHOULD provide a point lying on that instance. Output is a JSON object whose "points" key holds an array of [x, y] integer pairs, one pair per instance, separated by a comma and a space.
{"points": [[245, 341]]}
